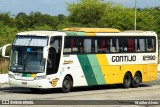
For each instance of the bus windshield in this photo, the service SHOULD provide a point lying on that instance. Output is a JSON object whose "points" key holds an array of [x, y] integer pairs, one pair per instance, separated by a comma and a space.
{"points": [[21, 40], [27, 59], [27, 54]]}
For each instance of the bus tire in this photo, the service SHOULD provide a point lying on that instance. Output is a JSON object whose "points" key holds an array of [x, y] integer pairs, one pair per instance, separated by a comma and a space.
{"points": [[127, 80], [67, 84], [136, 80]]}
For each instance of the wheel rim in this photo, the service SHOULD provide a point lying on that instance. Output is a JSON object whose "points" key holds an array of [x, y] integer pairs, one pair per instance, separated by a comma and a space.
{"points": [[127, 81], [136, 79], [67, 85]]}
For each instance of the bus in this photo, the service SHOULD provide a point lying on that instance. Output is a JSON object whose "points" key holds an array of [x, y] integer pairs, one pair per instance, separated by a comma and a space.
{"points": [[75, 57]]}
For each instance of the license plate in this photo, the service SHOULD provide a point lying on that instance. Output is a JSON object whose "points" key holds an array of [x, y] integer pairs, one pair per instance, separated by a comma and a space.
{"points": [[24, 83]]}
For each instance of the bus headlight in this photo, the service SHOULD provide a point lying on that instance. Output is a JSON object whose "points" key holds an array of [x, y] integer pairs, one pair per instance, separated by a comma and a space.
{"points": [[11, 76], [40, 77]]}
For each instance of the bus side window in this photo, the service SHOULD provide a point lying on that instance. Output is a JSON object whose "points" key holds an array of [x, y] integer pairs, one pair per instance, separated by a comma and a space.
{"points": [[150, 45], [142, 45], [125, 44], [120, 45], [80, 47], [113, 49], [114, 45], [87, 45], [101, 45], [70, 45], [131, 45], [73, 46]]}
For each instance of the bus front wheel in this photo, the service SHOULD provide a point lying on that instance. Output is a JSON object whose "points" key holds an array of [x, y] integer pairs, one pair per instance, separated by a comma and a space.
{"points": [[136, 80], [127, 80], [67, 84]]}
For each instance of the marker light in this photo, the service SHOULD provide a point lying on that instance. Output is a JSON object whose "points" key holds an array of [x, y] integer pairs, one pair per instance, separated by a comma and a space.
{"points": [[11, 76], [40, 77]]}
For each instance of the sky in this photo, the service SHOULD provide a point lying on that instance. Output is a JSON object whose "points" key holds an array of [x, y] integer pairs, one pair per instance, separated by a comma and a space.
{"points": [[55, 7]]}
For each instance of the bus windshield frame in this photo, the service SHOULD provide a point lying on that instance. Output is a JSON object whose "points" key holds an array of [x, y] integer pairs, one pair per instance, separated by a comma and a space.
{"points": [[27, 54]]}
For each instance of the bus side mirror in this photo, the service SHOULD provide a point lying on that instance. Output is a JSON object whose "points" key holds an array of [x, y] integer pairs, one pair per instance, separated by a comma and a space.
{"points": [[45, 52], [4, 48]]}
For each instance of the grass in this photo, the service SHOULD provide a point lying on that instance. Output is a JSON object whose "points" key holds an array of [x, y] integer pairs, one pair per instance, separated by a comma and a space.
{"points": [[4, 65]]}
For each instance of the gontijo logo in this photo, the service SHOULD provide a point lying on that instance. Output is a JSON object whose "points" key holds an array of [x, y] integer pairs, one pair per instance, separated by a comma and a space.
{"points": [[126, 58]]}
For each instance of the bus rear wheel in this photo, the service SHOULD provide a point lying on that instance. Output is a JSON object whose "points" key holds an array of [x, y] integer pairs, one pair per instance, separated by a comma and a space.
{"points": [[67, 84], [127, 80], [136, 80]]}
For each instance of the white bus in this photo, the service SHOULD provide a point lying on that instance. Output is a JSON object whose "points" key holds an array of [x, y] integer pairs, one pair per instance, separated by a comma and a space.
{"points": [[77, 57]]}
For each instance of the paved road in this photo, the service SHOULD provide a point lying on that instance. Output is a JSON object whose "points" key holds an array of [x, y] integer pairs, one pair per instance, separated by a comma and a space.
{"points": [[147, 91]]}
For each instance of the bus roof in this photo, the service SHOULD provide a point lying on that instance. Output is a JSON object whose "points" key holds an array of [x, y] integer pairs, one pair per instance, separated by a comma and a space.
{"points": [[93, 30], [38, 33], [88, 32]]}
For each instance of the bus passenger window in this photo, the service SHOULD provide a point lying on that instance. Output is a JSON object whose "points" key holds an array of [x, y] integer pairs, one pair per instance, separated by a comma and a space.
{"points": [[120, 49], [70, 45], [150, 45], [114, 45], [87, 45], [113, 49], [125, 49], [120, 40], [131, 45], [101, 45], [142, 45], [150, 48], [80, 46]]}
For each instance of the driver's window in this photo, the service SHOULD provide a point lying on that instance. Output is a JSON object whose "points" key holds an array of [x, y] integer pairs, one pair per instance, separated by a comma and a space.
{"points": [[54, 55], [56, 42], [51, 57]]}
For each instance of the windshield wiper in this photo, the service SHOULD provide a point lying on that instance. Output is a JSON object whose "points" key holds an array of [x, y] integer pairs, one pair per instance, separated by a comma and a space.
{"points": [[29, 41]]}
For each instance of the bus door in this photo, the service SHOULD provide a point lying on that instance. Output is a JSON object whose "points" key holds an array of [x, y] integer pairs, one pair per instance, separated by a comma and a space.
{"points": [[54, 55]]}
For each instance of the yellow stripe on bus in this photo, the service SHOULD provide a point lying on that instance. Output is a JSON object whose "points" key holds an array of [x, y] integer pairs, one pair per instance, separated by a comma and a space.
{"points": [[91, 34], [33, 75], [109, 72], [103, 63]]}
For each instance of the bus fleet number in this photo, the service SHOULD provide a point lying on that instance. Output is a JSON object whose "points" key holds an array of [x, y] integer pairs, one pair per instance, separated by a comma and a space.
{"points": [[149, 57]]}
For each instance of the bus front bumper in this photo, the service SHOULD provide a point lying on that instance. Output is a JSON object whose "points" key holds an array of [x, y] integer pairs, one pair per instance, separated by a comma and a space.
{"points": [[31, 84]]}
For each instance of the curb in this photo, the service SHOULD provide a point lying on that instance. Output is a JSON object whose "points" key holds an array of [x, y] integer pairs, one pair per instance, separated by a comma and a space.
{"points": [[4, 78], [4, 82]]}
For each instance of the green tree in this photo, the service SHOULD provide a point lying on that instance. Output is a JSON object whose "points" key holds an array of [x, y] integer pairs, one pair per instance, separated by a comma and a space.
{"points": [[146, 20], [95, 13], [7, 34], [6, 19], [22, 21], [88, 12], [39, 19], [61, 17], [156, 14]]}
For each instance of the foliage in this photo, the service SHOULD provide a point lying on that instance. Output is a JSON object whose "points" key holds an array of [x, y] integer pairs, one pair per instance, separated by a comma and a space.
{"points": [[96, 13], [89, 11], [3, 65]]}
